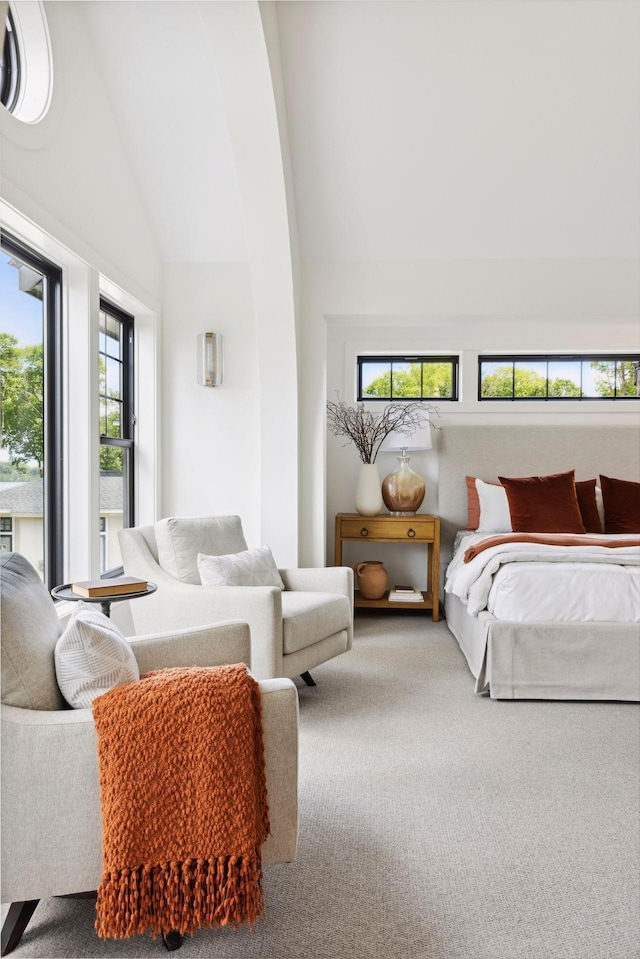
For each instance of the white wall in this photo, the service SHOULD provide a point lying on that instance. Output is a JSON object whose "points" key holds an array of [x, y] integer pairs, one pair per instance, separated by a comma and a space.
{"points": [[236, 35], [211, 455]]}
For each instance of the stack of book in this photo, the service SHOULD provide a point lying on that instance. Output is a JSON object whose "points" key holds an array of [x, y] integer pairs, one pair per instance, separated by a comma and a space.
{"points": [[116, 586], [405, 594]]}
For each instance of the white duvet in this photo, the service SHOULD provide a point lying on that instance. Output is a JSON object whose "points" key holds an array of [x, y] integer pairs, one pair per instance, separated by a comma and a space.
{"points": [[528, 582]]}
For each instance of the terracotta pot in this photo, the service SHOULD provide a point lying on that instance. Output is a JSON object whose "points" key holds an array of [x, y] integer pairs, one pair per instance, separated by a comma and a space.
{"points": [[372, 579]]}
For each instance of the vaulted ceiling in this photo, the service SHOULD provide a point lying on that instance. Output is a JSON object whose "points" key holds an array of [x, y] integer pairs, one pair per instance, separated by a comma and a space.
{"points": [[418, 130], [157, 65]]}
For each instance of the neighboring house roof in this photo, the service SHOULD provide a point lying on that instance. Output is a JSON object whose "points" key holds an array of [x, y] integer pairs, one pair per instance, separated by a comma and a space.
{"points": [[22, 497], [111, 493], [28, 497]]}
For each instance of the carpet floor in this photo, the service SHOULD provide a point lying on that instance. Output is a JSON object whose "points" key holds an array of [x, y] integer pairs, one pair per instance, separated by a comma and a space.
{"points": [[434, 824]]}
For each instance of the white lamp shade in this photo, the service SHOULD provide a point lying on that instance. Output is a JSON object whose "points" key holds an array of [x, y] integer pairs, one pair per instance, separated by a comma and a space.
{"points": [[414, 443]]}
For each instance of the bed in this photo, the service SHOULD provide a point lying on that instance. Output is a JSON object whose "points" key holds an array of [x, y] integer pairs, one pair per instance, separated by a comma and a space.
{"points": [[548, 624]]}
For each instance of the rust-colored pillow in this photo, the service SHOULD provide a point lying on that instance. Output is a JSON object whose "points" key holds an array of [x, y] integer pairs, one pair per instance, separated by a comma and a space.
{"points": [[586, 492], [544, 504], [621, 505], [473, 502]]}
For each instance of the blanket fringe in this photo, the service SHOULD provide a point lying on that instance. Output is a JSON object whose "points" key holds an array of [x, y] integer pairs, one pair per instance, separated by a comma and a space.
{"points": [[181, 896]]}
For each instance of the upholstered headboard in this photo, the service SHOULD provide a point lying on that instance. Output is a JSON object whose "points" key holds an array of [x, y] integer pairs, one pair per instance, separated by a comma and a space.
{"points": [[520, 450]]}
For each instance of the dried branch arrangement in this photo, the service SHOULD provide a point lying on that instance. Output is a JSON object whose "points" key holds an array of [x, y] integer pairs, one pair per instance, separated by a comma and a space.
{"points": [[368, 430]]}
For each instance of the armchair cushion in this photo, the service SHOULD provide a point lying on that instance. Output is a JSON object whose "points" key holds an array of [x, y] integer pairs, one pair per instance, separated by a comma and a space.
{"points": [[180, 539], [250, 567], [309, 617], [30, 631], [92, 656]]}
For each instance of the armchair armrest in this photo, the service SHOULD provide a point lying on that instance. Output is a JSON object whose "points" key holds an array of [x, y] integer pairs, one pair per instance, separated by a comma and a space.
{"points": [[330, 579], [175, 603], [51, 824], [214, 645], [280, 726]]}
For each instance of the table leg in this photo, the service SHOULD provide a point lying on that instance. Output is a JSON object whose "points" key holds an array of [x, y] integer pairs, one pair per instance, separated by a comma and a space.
{"points": [[105, 605]]}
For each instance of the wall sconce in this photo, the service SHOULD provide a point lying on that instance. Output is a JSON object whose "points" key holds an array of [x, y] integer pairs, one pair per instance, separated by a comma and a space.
{"points": [[209, 359]]}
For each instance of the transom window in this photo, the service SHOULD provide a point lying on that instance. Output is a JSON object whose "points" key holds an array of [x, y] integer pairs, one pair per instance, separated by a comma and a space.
{"points": [[556, 377], [407, 378]]}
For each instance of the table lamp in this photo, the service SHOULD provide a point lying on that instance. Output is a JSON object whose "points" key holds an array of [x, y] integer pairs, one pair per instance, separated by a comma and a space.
{"points": [[403, 489]]}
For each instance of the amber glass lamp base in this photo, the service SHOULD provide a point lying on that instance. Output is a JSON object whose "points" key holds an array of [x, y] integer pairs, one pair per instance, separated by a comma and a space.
{"points": [[403, 490]]}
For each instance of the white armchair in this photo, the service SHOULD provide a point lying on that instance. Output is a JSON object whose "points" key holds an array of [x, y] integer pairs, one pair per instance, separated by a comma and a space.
{"points": [[51, 823], [292, 630]]}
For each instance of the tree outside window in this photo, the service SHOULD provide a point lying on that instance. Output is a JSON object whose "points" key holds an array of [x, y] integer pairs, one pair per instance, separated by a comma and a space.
{"points": [[407, 378], [556, 377]]}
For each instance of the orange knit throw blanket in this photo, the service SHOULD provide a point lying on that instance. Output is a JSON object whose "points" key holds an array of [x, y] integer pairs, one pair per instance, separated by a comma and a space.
{"points": [[184, 801]]}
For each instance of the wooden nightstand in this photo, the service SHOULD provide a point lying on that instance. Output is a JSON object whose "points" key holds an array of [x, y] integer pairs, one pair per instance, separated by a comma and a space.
{"points": [[422, 529]]}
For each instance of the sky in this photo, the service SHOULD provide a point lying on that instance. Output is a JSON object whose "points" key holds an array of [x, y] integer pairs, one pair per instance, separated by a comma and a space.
{"points": [[20, 314]]}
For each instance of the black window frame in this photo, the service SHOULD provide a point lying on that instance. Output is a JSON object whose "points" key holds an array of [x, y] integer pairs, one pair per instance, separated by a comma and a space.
{"points": [[53, 420], [11, 65], [128, 421], [454, 359], [513, 358]]}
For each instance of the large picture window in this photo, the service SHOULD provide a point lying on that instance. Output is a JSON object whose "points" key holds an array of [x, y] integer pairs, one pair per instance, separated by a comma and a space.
{"points": [[31, 505], [117, 425], [556, 377], [407, 378]]}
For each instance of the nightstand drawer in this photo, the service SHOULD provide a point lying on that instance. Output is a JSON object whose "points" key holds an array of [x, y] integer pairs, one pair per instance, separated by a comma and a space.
{"points": [[417, 528]]}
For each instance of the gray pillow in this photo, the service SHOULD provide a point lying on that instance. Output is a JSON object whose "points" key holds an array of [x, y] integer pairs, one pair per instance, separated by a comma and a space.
{"points": [[180, 539], [92, 656], [30, 631]]}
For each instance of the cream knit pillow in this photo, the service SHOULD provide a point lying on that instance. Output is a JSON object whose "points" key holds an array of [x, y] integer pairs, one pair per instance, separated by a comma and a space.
{"points": [[91, 657], [251, 567]]}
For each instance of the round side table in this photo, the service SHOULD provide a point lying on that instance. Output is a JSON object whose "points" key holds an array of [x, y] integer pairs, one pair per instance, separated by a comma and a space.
{"points": [[65, 592]]}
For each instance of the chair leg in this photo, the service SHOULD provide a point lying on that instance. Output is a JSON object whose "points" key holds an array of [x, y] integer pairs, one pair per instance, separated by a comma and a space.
{"points": [[15, 924], [308, 678], [172, 940]]}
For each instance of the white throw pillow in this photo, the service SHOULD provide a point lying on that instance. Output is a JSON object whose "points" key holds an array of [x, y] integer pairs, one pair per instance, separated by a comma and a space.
{"points": [[600, 506], [92, 656], [251, 567], [494, 508]]}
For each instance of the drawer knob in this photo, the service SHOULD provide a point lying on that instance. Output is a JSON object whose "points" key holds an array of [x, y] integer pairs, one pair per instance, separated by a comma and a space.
{"points": [[411, 533], [364, 531]]}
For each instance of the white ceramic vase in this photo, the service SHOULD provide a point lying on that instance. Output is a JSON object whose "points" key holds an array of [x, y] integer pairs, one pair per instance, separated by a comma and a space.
{"points": [[369, 490]]}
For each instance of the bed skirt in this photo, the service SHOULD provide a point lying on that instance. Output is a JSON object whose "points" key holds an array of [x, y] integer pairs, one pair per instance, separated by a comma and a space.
{"points": [[582, 661]]}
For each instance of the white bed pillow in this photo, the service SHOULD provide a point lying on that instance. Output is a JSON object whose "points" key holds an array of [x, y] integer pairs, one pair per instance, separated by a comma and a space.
{"points": [[92, 656], [600, 506], [251, 567], [494, 508]]}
